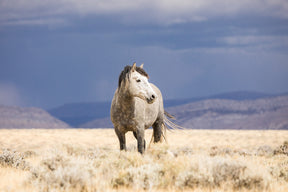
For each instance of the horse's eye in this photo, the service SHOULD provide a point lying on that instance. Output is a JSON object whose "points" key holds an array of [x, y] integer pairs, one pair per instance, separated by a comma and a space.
{"points": [[138, 80]]}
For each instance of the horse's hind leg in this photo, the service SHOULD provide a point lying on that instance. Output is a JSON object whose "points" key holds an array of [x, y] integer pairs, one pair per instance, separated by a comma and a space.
{"points": [[135, 135], [122, 139], [157, 130]]}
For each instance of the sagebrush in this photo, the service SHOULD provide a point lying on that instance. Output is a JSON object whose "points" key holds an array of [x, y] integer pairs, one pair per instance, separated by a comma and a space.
{"points": [[70, 166]]}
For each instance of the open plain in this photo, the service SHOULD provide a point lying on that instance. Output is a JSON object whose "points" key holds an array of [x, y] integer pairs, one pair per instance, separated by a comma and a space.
{"points": [[89, 160]]}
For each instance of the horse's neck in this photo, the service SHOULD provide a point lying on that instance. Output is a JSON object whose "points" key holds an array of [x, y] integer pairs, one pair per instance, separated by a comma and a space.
{"points": [[126, 101]]}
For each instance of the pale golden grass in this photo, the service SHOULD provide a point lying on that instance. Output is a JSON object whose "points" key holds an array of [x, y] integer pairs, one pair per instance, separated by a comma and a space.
{"points": [[89, 160]]}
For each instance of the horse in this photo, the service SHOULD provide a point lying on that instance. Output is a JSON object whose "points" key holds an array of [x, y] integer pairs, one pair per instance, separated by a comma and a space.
{"points": [[137, 105]]}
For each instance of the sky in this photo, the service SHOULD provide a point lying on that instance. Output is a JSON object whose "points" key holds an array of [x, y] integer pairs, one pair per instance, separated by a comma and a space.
{"points": [[54, 52]]}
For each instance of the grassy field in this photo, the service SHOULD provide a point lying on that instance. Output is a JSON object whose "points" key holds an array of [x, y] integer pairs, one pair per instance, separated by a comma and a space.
{"points": [[89, 160]]}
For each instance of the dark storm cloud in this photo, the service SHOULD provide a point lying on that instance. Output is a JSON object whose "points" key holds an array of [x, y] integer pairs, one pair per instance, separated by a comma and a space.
{"points": [[55, 52], [58, 66]]}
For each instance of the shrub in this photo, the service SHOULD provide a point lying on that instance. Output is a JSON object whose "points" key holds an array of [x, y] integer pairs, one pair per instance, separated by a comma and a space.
{"points": [[158, 168], [280, 170], [264, 150], [145, 177], [64, 173], [215, 151], [219, 172], [13, 159], [282, 149]]}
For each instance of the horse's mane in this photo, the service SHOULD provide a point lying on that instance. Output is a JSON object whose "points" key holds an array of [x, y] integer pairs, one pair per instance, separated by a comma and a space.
{"points": [[124, 74]]}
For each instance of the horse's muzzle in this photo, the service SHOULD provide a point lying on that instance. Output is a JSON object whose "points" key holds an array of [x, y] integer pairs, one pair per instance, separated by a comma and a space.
{"points": [[151, 99]]}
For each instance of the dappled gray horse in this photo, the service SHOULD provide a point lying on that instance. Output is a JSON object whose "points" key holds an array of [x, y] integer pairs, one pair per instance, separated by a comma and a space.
{"points": [[136, 106]]}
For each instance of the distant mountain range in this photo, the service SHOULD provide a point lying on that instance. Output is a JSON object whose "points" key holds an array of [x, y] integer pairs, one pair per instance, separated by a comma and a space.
{"points": [[20, 117], [234, 110], [261, 113], [76, 114]]}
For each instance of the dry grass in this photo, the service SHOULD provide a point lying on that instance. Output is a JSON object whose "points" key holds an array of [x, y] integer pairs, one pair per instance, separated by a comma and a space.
{"points": [[89, 160]]}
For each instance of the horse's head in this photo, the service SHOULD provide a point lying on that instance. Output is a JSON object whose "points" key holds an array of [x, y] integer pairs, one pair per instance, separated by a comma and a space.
{"points": [[140, 87], [137, 84]]}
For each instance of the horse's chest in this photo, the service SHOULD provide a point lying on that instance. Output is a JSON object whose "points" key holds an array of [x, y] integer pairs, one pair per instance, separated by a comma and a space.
{"points": [[129, 117], [124, 117]]}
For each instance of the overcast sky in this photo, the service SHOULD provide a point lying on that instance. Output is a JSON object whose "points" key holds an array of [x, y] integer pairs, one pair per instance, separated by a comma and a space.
{"points": [[60, 51]]}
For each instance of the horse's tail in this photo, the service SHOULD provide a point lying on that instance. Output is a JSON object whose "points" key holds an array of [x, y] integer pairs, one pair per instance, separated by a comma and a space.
{"points": [[169, 123]]}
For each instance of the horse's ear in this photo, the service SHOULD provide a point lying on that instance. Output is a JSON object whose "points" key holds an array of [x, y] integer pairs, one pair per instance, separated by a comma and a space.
{"points": [[141, 66], [133, 67]]}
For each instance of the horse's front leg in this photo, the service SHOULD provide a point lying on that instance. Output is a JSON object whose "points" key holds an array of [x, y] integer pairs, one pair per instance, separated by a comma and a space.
{"points": [[135, 135], [140, 139], [122, 139]]}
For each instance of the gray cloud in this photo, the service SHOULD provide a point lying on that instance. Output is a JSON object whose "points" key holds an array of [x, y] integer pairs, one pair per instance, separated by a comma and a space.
{"points": [[37, 22], [252, 43], [143, 11]]}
